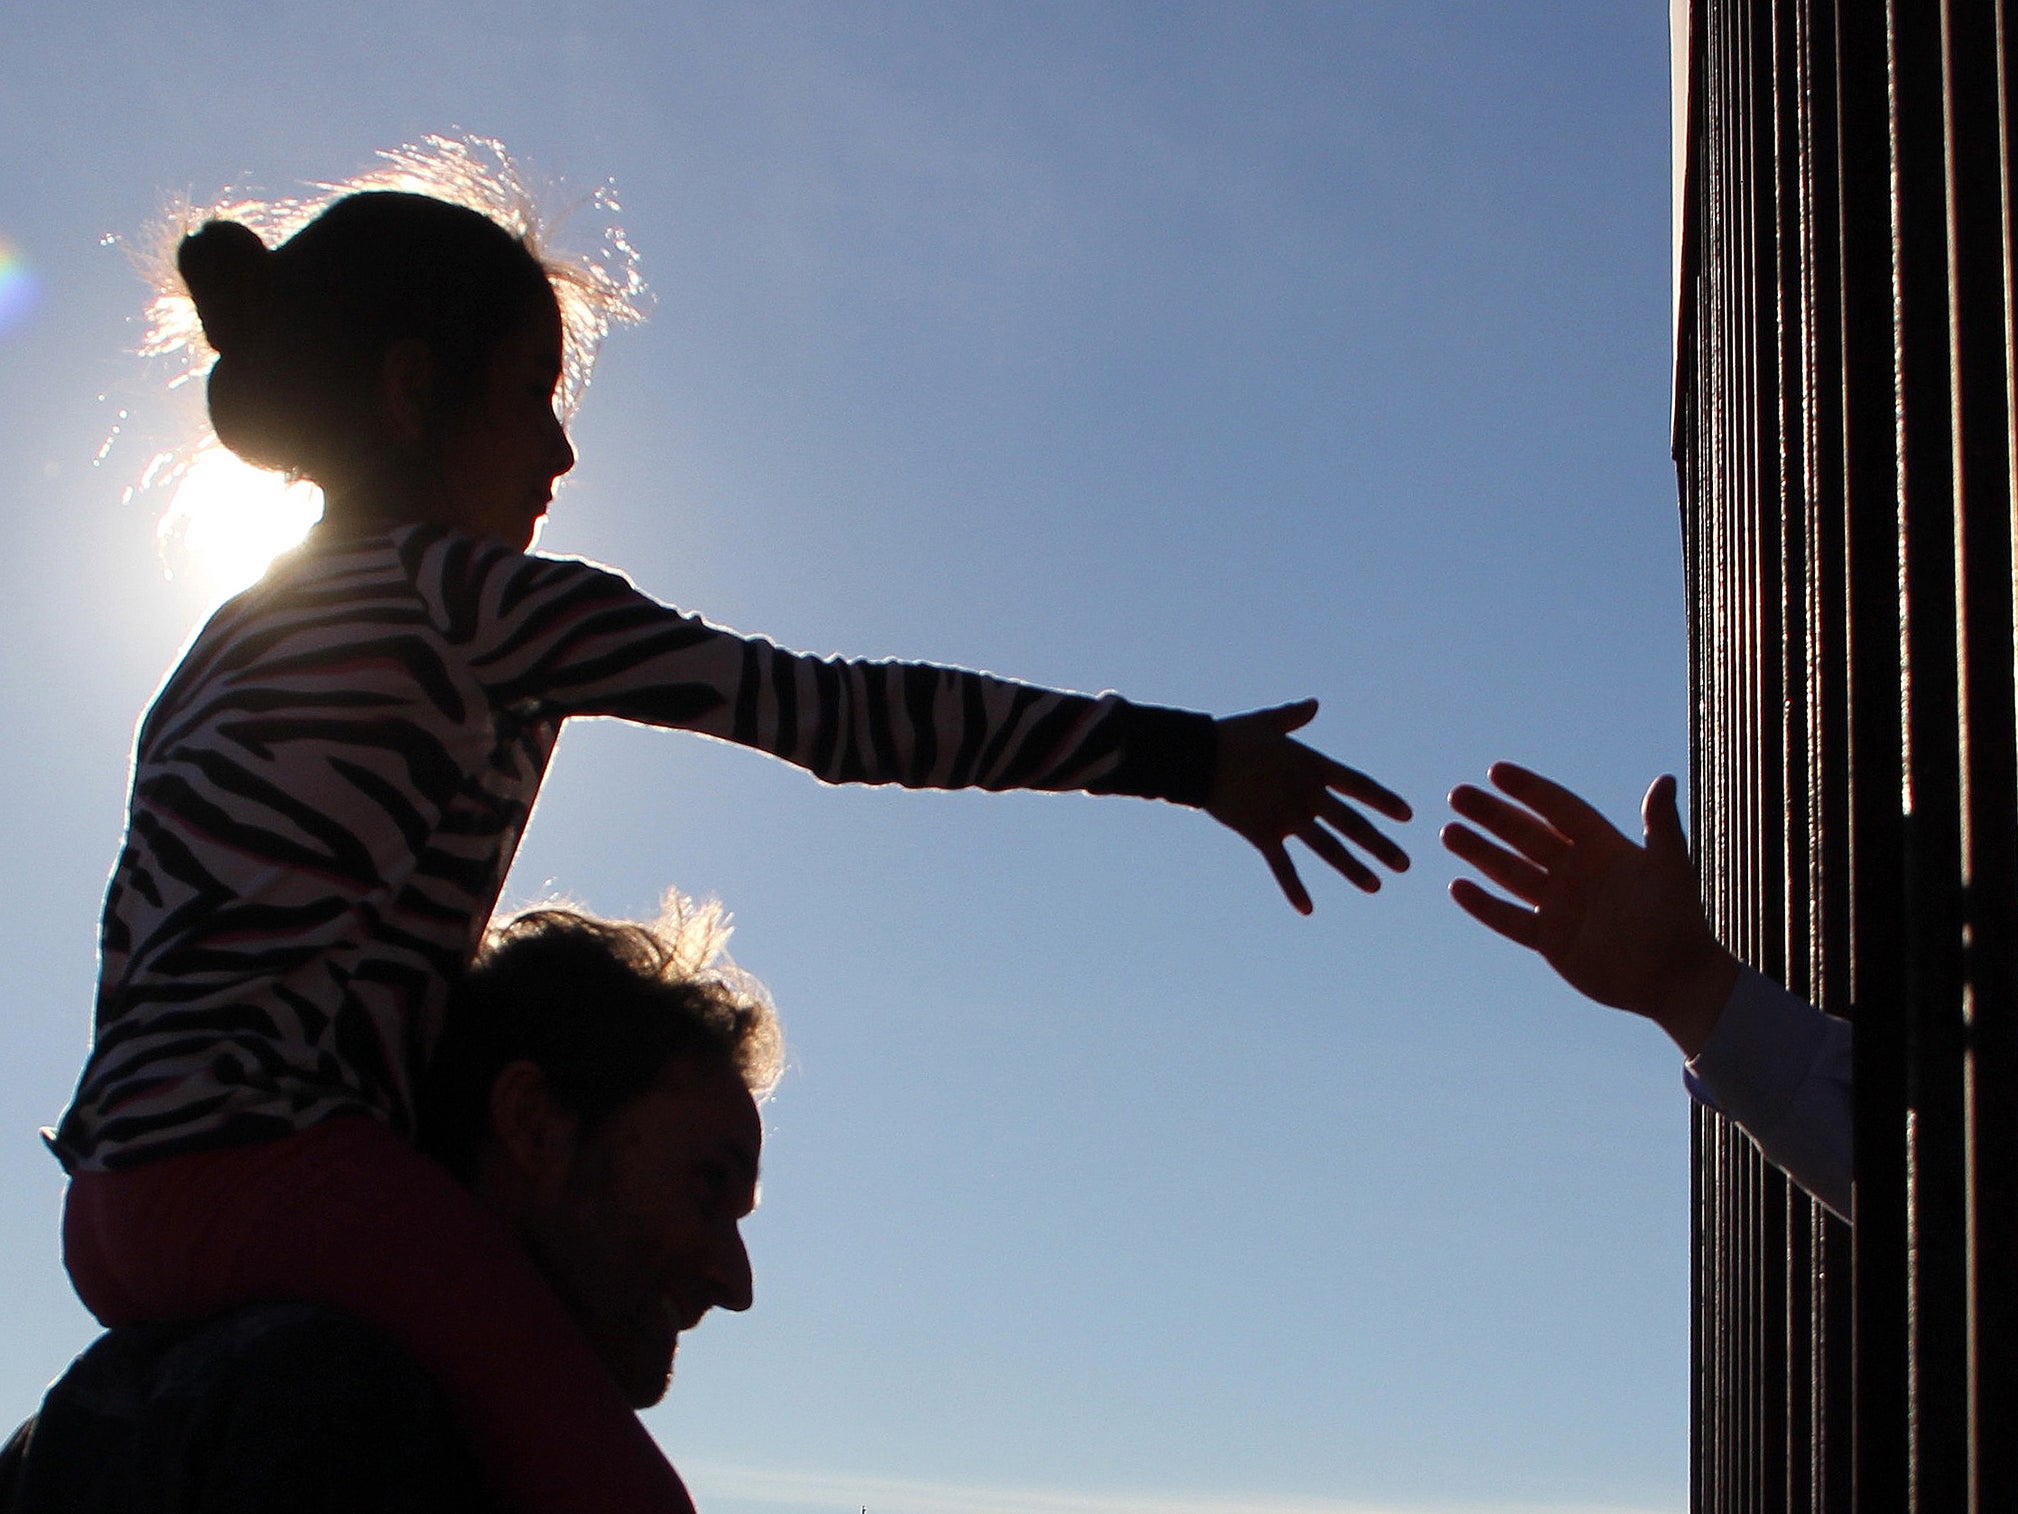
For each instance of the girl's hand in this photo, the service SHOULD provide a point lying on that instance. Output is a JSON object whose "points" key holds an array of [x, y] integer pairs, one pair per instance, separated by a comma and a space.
{"points": [[1621, 923], [1268, 787]]}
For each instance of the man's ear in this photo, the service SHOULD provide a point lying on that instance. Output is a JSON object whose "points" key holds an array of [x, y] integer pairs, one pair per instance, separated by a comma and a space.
{"points": [[406, 390], [532, 1136]]}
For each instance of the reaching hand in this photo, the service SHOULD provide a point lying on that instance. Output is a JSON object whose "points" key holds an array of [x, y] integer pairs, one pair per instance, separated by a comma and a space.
{"points": [[1270, 786], [1622, 923]]}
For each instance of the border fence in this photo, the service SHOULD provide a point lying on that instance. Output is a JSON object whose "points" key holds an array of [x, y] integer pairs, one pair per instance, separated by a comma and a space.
{"points": [[1846, 450]]}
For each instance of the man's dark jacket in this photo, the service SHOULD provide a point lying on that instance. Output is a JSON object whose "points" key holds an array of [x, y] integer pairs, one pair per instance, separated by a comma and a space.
{"points": [[279, 1409]]}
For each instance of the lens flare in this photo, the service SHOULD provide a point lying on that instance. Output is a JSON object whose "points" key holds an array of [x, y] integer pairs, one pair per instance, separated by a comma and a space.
{"points": [[229, 520], [19, 288]]}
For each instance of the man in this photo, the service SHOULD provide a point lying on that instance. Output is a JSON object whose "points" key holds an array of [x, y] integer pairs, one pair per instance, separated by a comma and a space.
{"points": [[596, 1087]]}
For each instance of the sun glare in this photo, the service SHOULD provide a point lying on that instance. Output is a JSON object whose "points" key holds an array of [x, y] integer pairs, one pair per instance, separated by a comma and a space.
{"points": [[228, 520]]}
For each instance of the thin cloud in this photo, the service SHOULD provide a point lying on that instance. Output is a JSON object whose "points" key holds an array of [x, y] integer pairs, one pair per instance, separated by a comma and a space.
{"points": [[845, 1494]]}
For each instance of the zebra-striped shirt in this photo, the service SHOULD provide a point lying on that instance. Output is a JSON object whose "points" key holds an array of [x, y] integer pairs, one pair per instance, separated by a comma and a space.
{"points": [[328, 791]]}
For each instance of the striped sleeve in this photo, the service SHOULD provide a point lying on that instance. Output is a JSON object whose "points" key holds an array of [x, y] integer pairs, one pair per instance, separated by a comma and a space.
{"points": [[567, 638]]}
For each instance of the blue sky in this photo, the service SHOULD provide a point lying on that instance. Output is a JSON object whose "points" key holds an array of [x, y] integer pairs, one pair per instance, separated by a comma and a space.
{"points": [[1218, 353]]}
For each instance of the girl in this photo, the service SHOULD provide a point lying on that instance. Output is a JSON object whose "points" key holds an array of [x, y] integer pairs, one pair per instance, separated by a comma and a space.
{"points": [[328, 790]]}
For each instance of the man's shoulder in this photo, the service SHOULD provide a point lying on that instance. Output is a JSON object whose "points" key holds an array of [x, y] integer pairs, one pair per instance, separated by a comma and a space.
{"points": [[269, 1408]]}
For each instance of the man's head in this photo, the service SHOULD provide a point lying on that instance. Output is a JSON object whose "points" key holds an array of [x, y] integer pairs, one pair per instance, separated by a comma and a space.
{"points": [[596, 1086]]}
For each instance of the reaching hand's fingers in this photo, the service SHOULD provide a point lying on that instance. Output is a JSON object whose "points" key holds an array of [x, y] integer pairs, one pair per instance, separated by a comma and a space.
{"points": [[1289, 717], [1510, 920], [1557, 805], [1352, 825], [1285, 876], [1513, 873], [1332, 850], [1663, 821], [1517, 827], [1355, 785]]}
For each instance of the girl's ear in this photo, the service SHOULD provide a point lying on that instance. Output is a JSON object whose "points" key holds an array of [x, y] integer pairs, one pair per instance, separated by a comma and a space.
{"points": [[406, 385]]}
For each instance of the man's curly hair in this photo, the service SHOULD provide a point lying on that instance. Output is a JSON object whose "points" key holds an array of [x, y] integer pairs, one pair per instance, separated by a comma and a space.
{"points": [[600, 1007]]}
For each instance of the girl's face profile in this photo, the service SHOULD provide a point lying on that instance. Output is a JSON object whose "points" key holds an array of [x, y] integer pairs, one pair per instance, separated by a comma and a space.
{"points": [[499, 459]]}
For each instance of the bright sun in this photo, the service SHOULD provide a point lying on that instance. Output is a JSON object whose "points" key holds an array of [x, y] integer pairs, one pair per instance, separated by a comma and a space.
{"points": [[228, 519]]}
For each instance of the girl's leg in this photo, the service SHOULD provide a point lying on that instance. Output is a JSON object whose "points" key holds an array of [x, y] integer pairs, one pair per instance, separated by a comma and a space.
{"points": [[347, 1215]]}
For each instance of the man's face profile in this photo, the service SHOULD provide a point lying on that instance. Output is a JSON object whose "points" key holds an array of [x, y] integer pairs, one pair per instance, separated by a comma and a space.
{"points": [[639, 1228]]}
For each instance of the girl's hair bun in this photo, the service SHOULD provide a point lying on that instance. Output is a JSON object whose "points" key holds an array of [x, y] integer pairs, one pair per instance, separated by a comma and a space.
{"points": [[286, 308], [229, 273]]}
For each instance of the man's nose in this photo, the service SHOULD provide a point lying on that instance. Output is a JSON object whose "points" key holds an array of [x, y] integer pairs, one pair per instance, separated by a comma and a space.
{"points": [[730, 1279], [564, 450]]}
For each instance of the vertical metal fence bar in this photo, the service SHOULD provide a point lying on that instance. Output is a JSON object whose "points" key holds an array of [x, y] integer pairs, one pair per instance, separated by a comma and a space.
{"points": [[1979, 334], [1865, 306], [1832, 1451], [1936, 1192]]}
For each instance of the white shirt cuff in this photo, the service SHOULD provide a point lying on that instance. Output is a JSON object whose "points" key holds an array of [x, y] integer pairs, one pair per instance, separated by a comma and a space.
{"points": [[1780, 1068]]}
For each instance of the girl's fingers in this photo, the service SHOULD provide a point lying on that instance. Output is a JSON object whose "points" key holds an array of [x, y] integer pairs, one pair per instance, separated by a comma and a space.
{"points": [[1332, 850], [1355, 827], [1294, 717], [1284, 870], [1355, 785], [1280, 718], [1512, 872], [1510, 920]]}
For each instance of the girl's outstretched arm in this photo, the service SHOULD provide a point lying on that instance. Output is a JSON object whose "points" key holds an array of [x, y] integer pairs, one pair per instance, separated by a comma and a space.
{"points": [[568, 638], [1620, 922], [1267, 786]]}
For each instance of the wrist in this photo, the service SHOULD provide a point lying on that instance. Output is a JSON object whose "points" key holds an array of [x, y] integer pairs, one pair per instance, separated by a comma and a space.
{"points": [[1692, 1001]]}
